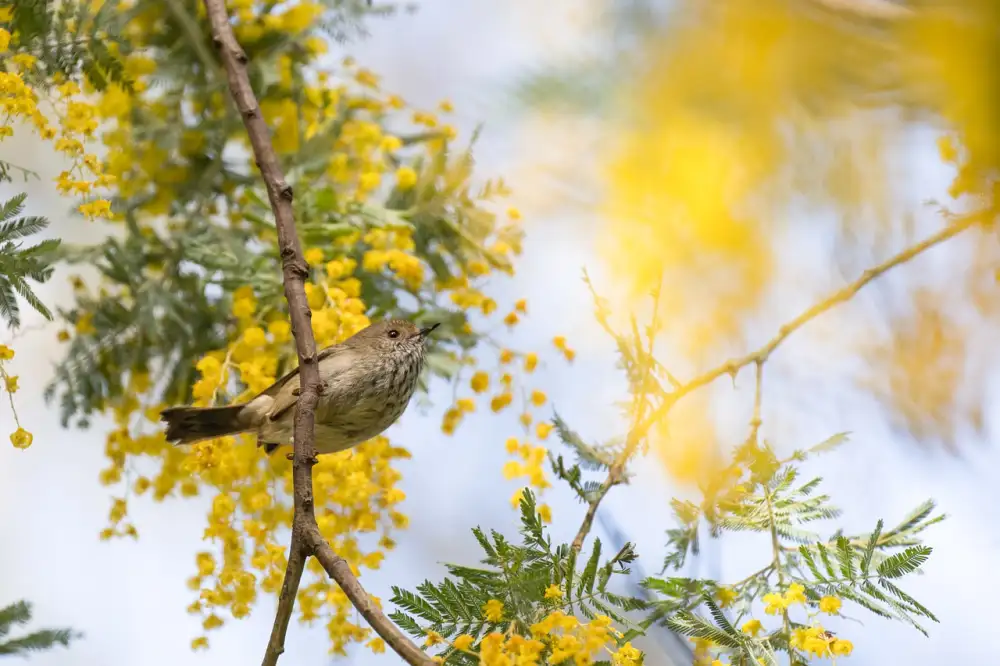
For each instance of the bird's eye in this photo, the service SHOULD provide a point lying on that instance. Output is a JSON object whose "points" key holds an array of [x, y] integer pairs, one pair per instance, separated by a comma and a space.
{"points": [[393, 333]]}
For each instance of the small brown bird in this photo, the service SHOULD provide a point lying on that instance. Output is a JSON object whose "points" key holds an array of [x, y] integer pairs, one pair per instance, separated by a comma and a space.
{"points": [[366, 382]]}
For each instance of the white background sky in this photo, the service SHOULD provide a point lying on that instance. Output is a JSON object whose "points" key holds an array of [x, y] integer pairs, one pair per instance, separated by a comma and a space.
{"points": [[129, 598]]}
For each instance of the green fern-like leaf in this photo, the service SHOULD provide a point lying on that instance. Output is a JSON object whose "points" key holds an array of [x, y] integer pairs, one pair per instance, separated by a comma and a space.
{"points": [[695, 626], [18, 264], [905, 562]]}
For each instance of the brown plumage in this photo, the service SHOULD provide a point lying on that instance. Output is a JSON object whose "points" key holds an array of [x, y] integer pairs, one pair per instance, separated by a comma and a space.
{"points": [[366, 383]]}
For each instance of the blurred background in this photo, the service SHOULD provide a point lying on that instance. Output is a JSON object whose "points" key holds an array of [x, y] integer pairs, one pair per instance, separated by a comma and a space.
{"points": [[749, 157]]}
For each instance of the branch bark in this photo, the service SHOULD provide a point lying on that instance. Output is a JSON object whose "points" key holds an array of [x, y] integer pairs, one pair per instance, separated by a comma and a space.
{"points": [[306, 538]]}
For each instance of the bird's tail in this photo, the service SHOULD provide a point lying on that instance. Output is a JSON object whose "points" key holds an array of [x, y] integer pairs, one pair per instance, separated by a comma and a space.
{"points": [[191, 424]]}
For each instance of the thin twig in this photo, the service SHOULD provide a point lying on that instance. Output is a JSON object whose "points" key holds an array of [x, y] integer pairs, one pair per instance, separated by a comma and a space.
{"points": [[306, 537], [616, 471], [758, 398], [733, 366], [286, 598]]}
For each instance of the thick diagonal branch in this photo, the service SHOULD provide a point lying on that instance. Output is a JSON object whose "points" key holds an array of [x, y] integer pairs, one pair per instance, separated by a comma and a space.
{"points": [[306, 537]]}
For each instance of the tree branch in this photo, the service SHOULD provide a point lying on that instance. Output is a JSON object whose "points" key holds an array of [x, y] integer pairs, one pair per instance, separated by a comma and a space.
{"points": [[306, 537], [757, 358], [616, 471], [286, 599]]}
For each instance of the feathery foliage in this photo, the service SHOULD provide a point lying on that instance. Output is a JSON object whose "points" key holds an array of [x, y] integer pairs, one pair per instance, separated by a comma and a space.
{"points": [[19, 614], [762, 493], [518, 577], [70, 38], [18, 264]]}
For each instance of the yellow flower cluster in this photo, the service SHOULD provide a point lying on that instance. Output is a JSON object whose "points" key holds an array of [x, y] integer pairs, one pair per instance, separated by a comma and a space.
{"points": [[556, 639], [812, 639], [776, 603], [75, 126], [20, 438], [819, 642], [530, 459], [393, 250]]}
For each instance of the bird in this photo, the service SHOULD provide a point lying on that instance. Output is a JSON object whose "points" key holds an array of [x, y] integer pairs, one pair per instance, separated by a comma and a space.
{"points": [[366, 382]]}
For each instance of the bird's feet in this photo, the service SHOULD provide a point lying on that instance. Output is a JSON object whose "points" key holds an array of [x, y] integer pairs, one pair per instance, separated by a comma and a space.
{"points": [[297, 391], [312, 460]]}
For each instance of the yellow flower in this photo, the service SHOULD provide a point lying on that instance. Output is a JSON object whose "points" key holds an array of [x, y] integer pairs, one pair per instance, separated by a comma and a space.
{"points": [[752, 627], [212, 622], [369, 181], [512, 469], [254, 337], [406, 177], [511, 319], [376, 645], [774, 603], [366, 78], [545, 513], [433, 638], [480, 382], [725, 596], [4, 40], [553, 592], [424, 118], [391, 143], [97, 208], [314, 256], [717, 662], [463, 642], [538, 398], [560, 344], [626, 656], [829, 605], [21, 438], [500, 402], [842, 646], [542, 430], [243, 308], [530, 362], [280, 330], [466, 405], [513, 213], [506, 356], [85, 325], [512, 444], [200, 643], [795, 594], [445, 106], [300, 17], [493, 610], [10, 382]]}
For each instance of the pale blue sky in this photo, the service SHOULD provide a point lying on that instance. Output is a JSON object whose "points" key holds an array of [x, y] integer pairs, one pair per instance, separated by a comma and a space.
{"points": [[129, 598]]}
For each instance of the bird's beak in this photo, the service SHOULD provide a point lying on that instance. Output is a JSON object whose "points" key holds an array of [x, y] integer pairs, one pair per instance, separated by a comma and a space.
{"points": [[424, 332]]}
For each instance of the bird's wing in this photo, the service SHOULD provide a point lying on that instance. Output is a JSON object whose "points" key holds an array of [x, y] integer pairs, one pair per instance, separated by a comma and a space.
{"points": [[285, 391]]}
